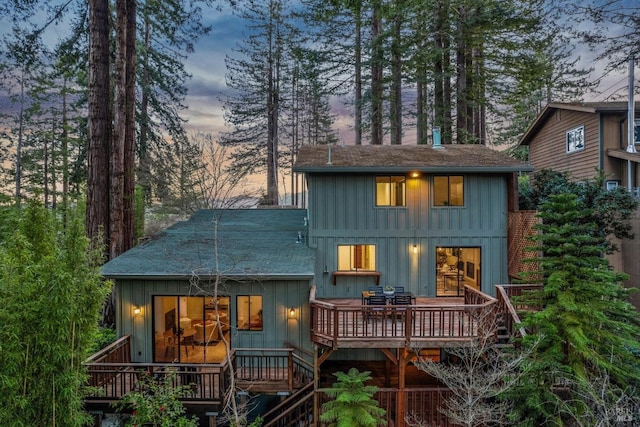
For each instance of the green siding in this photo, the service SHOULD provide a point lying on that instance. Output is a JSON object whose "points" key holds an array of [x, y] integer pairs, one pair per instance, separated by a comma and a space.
{"points": [[342, 211], [278, 296]]}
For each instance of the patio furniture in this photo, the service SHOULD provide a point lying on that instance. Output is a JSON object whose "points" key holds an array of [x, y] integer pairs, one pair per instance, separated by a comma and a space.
{"points": [[206, 333], [402, 300], [398, 289], [376, 289], [376, 306]]}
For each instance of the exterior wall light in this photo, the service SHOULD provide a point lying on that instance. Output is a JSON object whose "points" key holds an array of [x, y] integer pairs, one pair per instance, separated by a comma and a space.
{"points": [[137, 310], [415, 248], [291, 313], [414, 174]]}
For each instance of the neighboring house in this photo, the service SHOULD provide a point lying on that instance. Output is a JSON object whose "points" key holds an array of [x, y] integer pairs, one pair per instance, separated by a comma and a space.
{"points": [[583, 138], [293, 296]]}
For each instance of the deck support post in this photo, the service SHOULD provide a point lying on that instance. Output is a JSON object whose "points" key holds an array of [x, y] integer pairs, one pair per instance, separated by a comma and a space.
{"points": [[400, 399], [316, 377]]}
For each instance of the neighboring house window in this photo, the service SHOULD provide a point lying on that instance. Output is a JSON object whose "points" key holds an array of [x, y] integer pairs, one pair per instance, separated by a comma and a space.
{"points": [[636, 132], [575, 139], [390, 190], [356, 257], [448, 190], [249, 312]]}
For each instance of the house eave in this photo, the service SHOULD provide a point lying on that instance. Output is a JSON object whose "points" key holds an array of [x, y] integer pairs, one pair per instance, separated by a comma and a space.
{"points": [[421, 169], [231, 277]]}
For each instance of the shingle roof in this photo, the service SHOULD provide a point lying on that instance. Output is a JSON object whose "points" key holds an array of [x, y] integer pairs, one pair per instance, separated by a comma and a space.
{"points": [[405, 158], [252, 243]]}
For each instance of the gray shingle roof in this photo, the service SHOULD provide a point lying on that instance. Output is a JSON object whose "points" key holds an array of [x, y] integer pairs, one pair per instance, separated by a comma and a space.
{"points": [[405, 158], [252, 243]]}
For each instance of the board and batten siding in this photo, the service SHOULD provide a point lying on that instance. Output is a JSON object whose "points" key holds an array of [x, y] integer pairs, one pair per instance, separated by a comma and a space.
{"points": [[548, 149], [342, 210], [278, 297]]}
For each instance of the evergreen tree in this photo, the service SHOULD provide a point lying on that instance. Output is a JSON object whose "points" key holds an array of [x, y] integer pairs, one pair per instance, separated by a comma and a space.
{"points": [[584, 322], [353, 404]]}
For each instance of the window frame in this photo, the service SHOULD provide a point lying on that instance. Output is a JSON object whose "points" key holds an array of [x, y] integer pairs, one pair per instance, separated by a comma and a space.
{"points": [[260, 312], [391, 190], [577, 143], [447, 202], [362, 257]]}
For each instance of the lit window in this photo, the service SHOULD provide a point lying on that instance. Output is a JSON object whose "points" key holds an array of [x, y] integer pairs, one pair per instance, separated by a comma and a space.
{"points": [[448, 191], [575, 139], [390, 190], [249, 312], [356, 257]]}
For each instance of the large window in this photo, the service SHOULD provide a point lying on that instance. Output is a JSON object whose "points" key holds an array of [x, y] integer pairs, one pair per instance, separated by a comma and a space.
{"points": [[356, 257], [249, 312], [390, 190], [448, 190], [189, 329], [456, 268]]}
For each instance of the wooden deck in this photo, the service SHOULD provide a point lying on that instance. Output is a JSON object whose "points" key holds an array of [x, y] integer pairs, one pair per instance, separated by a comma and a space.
{"points": [[112, 375], [431, 322]]}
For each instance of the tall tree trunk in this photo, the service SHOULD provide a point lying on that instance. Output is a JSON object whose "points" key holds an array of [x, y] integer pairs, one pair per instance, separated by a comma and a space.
{"points": [[442, 76], [358, 73], [396, 72], [130, 129], [462, 89], [99, 121], [273, 96], [144, 168], [377, 86]]}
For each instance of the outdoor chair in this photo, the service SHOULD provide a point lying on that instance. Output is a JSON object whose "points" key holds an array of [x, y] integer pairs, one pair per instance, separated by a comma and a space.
{"points": [[377, 306], [398, 289], [376, 289], [399, 301]]}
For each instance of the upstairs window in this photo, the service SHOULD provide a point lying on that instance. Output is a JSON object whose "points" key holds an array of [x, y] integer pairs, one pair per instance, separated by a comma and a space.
{"points": [[390, 190], [575, 139], [356, 257], [448, 191]]}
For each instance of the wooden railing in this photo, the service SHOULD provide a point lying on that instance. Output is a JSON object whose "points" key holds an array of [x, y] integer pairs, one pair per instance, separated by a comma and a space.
{"points": [[297, 410], [273, 365], [423, 404], [361, 326], [509, 306], [111, 374]]}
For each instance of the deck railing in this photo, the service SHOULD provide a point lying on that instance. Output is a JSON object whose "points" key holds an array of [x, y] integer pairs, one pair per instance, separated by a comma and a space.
{"points": [[275, 365], [509, 306], [423, 405], [362, 326], [112, 374], [297, 410]]}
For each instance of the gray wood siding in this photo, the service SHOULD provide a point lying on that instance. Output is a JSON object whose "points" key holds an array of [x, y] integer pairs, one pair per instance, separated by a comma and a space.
{"points": [[547, 149], [278, 296], [342, 211]]}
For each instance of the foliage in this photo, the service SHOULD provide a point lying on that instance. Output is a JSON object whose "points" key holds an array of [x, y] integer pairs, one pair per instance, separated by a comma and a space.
{"points": [[103, 337], [156, 402], [352, 404], [586, 324], [478, 375], [51, 293], [609, 210]]}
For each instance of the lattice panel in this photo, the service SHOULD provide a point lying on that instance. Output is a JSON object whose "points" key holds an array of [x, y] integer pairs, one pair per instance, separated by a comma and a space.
{"points": [[520, 228]]}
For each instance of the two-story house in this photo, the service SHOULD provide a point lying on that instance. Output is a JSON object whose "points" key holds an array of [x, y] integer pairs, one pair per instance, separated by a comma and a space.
{"points": [[583, 138], [285, 296]]}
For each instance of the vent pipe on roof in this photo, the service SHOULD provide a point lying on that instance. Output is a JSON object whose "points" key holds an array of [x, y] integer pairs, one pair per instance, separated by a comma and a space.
{"points": [[436, 138], [329, 155]]}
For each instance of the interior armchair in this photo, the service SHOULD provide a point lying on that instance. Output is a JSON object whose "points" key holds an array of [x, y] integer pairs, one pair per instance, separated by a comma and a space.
{"points": [[206, 331]]}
